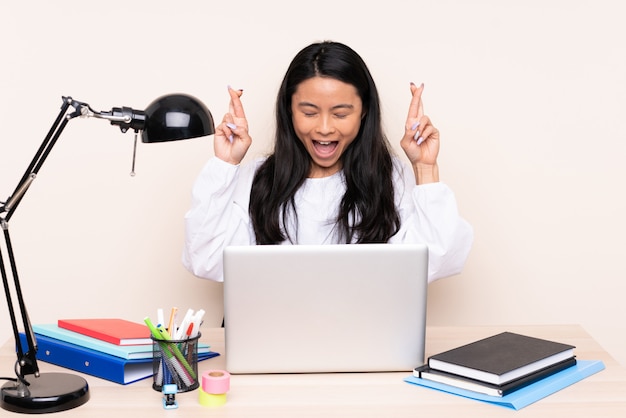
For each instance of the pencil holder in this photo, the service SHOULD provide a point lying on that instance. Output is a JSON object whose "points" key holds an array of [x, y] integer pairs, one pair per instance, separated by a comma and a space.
{"points": [[175, 362]]}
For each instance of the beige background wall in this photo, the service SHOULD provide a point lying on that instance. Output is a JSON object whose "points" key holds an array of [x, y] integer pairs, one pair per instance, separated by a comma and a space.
{"points": [[529, 97]]}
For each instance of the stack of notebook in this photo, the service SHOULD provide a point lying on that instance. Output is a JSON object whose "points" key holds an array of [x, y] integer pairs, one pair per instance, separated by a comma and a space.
{"points": [[113, 349], [498, 368]]}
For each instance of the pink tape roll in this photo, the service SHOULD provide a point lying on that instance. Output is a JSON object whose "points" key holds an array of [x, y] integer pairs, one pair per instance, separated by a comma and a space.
{"points": [[216, 382]]}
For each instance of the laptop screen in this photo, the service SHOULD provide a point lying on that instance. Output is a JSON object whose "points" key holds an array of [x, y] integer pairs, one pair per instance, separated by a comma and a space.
{"points": [[325, 308]]}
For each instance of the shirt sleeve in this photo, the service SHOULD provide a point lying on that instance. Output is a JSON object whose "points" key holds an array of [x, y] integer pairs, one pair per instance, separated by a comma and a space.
{"points": [[429, 215], [218, 217]]}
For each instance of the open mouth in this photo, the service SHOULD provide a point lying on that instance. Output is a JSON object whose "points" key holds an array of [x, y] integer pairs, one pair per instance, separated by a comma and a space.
{"points": [[324, 148]]}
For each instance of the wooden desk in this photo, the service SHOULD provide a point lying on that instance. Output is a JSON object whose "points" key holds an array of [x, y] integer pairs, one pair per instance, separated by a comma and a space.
{"points": [[357, 394]]}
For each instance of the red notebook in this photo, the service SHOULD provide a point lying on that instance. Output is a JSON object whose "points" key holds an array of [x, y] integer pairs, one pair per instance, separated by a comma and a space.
{"points": [[112, 330]]}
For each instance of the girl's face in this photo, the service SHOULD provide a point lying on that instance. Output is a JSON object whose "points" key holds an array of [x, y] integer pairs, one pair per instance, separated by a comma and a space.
{"points": [[326, 118]]}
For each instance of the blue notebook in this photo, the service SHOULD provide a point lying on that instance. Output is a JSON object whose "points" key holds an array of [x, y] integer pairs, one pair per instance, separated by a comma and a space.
{"points": [[527, 395]]}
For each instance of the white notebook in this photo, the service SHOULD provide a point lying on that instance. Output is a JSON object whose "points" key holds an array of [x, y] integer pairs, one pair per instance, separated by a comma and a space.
{"points": [[325, 308]]}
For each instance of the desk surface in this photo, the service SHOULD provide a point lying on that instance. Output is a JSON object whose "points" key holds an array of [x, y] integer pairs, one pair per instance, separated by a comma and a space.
{"points": [[357, 394]]}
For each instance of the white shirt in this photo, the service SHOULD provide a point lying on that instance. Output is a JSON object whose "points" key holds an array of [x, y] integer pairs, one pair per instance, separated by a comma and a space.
{"points": [[219, 217]]}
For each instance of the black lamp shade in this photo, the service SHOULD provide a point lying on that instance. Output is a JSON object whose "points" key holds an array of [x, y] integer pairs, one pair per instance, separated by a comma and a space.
{"points": [[176, 116]]}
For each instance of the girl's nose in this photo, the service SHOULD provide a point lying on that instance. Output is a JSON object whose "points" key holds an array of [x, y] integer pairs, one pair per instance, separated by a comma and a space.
{"points": [[325, 126]]}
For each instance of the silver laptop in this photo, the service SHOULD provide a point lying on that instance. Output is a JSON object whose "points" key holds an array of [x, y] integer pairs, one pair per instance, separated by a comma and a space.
{"points": [[325, 308]]}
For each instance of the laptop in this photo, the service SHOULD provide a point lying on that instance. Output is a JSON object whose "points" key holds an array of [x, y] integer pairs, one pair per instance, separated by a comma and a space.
{"points": [[325, 308]]}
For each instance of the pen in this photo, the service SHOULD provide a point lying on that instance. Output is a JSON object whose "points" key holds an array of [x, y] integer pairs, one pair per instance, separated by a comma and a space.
{"points": [[184, 324], [163, 347], [160, 318], [170, 326], [191, 345], [153, 330], [197, 320]]}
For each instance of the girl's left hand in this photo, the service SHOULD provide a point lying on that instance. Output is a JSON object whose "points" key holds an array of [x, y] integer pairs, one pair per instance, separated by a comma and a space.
{"points": [[421, 139]]}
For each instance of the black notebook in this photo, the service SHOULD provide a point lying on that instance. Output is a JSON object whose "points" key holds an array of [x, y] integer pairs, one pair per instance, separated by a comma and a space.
{"points": [[501, 358], [425, 372]]}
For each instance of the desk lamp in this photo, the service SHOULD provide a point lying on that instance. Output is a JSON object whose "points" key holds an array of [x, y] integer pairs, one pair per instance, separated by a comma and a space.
{"points": [[168, 118]]}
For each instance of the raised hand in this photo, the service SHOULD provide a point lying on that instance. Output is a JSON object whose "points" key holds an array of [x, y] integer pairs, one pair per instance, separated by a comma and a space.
{"points": [[231, 141], [421, 139]]}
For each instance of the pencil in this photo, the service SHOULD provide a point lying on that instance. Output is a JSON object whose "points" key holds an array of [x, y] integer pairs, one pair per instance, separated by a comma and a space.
{"points": [[170, 326]]}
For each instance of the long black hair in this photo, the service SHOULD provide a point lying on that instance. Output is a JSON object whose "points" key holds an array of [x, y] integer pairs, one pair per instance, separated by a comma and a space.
{"points": [[367, 213]]}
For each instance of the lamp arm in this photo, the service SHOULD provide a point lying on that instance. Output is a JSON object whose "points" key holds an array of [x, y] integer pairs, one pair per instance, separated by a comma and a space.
{"points": [[35, 165]]}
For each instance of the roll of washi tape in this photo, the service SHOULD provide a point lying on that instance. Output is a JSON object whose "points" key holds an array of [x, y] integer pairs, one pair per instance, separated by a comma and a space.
{"points": [[210, 399], [216, 382]]}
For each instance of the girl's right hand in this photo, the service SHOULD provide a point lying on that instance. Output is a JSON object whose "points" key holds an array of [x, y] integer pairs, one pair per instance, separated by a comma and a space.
{"points": [[231, 140]]}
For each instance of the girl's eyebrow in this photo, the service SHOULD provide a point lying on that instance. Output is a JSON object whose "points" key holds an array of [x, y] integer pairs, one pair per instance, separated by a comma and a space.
{"points": [[339, 106]]}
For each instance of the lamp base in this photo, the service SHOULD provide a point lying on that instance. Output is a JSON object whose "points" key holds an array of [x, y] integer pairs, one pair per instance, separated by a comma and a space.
{"points": [[50, 392]]}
